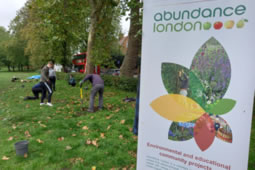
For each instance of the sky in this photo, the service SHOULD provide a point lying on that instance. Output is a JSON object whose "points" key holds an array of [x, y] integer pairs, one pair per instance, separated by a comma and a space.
{"points": [[8, 9]]}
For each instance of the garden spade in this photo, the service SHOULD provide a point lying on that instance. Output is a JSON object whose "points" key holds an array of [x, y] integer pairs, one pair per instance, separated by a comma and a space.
{"points": [[81, 95]]}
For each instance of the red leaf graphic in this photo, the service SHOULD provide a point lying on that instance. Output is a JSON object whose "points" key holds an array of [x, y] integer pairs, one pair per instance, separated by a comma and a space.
{"points": [[204, 132]]}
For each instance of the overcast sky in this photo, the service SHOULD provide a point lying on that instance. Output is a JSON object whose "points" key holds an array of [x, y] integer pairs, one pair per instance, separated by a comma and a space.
{"points": [[8, 9]]}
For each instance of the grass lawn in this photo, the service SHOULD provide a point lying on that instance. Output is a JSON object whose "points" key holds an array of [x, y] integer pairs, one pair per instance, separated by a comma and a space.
{"points": [[63, 138]]}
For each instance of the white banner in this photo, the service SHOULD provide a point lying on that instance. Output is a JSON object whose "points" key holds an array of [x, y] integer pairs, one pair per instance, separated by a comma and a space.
{"points": [[197, 84]]}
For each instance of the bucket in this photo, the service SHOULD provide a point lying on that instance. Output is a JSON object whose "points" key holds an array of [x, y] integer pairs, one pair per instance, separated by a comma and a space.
{"points": [[21, 147]]}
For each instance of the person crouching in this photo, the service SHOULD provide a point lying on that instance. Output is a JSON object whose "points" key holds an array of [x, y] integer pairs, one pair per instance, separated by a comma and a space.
{"points": [[98, 87]]}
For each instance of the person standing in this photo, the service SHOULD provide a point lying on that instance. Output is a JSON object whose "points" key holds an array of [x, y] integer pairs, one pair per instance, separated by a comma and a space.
{"points": [[45, 84], [52, 77], [98, 87]]}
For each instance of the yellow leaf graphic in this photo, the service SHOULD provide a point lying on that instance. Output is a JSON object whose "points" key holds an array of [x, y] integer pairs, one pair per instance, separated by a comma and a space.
{"points": [[177, 108]]}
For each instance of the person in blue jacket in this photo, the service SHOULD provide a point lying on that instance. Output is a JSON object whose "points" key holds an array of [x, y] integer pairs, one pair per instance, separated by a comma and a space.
{"points": [[36, 89]]}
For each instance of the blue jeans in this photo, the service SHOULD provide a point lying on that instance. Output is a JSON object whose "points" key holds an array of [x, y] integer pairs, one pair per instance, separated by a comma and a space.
{"points": [[135, 126]]}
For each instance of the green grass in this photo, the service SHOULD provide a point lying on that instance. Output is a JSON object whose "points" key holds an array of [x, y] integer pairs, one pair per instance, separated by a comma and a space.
{"points": [[116, 150], [116, 143]]}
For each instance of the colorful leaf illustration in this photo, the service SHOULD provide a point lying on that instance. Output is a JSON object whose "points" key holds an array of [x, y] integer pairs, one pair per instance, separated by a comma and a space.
{"points": [[204, 132], [221, 106], [212, 66], [196, 93], [223, 130], [180, 131], [177, 108], [176, 77]]}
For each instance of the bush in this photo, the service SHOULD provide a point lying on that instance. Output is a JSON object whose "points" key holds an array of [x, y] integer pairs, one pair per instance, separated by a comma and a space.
{"points": [[122, 83]]}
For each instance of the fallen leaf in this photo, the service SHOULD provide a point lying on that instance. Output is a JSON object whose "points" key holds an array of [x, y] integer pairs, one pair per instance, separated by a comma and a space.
{"points": [[68, 147], [85, 128], [102, 135], [132, 153], [39, 122], [61, 138], [39, 141], [73, 134], [121, 136], [109, 117], [91, 117], [94, 142], [122, 121], [134, 137], [27, 106], [25, 155], [48, 117], [117, 110], [5, 158], [75, 160], [109, 127], [42, 125], [131, 129], [88, 142], [10, 138], [27, 134], [14, 127]]}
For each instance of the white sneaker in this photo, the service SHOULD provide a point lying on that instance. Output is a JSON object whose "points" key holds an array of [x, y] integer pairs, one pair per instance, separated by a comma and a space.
{"points": [[41, 104], [49, 104]]}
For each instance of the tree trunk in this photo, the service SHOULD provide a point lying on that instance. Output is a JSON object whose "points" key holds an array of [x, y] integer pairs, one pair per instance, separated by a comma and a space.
{"points": [[64, 59], [92, 33], [96, 6], [134, 44]]}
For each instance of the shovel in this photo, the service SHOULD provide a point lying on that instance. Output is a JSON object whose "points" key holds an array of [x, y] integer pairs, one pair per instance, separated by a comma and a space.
{"points": [[81, 94]]}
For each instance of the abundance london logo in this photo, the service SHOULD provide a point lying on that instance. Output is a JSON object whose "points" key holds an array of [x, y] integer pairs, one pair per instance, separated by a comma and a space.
{"points": [[195, 100], [190, 20]]}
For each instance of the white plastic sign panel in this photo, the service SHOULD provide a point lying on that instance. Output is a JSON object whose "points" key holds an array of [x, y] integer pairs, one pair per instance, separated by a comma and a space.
{"points": [[197, 84]]}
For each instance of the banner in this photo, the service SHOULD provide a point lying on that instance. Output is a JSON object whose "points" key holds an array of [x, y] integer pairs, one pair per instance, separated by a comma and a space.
{"points": [[197, 84]]}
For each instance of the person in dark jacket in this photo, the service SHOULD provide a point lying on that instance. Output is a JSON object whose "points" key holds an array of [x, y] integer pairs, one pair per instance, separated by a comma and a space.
{"points": [[72, 81], [36, 89], [45, 84], [98, 87]]}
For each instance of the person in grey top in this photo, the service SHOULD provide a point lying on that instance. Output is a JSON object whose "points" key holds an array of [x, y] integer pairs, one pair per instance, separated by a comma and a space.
{"points": [[45, 84], [98, 87], [52, 77]]}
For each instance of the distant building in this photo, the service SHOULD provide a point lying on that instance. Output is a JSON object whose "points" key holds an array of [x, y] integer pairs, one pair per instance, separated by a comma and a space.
{"points": [[58, 67]]}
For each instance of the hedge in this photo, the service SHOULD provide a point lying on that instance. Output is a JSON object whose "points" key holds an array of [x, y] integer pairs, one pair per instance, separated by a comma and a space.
{"points": [[121, 83]]}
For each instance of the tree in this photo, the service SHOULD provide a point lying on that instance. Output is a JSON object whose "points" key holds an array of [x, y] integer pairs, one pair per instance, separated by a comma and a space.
{"points": [[134, 40], [4, 37], [105, 18]]}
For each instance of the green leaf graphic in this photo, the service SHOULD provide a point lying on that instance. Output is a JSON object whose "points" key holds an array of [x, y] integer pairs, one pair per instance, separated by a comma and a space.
{"points": [[176, 78], [221, 106]]}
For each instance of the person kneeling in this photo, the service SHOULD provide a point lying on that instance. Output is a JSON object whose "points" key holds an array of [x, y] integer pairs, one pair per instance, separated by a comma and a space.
{"points": [[36, 89]]}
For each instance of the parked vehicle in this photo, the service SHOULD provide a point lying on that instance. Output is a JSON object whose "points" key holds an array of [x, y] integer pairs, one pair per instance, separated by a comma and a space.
{"points": [[79, 61]]}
